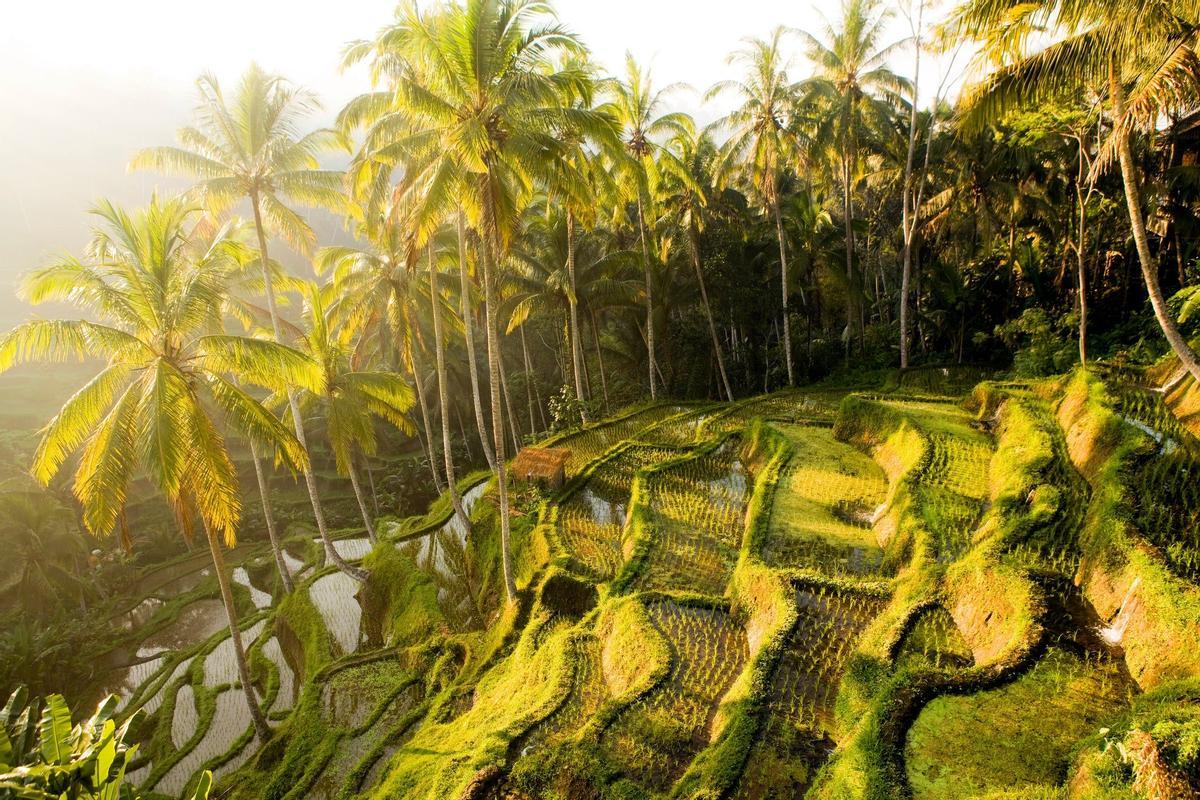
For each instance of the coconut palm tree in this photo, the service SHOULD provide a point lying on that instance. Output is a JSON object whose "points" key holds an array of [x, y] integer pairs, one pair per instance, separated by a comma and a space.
{"points": [[1140, 56], [351, 399], [637, 107], [762, 140], [381, 297], [153, 293], [44, 552], [683, 195], [482, 137], [248, 149], [856, 91]]}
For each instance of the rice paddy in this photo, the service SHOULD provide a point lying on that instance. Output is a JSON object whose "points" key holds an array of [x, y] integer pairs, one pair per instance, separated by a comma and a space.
{"points": [[658, 526]]}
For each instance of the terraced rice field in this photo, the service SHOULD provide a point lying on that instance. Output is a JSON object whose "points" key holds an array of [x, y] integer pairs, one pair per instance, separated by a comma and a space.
{"points": [[956, 476], [824, 507], [634, 704], [592, 521], [594, 441], [653, 740], [697, 515], [1000, 739]]}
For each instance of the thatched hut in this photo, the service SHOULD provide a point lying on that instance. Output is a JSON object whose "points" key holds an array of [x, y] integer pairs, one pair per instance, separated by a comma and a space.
{"points": [[544, 466]]}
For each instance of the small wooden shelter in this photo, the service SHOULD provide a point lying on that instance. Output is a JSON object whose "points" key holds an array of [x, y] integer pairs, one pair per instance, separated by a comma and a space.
{"points": [[544, 466]]}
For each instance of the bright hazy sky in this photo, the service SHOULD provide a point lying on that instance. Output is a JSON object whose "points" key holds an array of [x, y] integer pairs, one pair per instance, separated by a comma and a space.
{"points": [[84, 84]]}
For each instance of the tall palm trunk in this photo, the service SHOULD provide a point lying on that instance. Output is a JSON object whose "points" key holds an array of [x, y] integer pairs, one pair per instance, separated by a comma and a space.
{"points": [[909, 211], [1081, 260], [368, 523], [493, 353], [235, 634], [576, 348], [418, 375], [783, 268], [469, 335], [443, 398], [694, 248], [285, 575], [310, 480], [1133, 198], [514, 429], [848, 213], [599, 358], [530, 383], [649, 295]]}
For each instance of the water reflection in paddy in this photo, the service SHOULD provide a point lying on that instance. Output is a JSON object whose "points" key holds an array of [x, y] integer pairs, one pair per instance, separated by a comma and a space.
{"points": [[334, 597]]}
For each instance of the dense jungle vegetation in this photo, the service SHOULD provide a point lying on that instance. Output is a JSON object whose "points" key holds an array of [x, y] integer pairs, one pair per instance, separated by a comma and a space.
{"points": [[877, 419]]}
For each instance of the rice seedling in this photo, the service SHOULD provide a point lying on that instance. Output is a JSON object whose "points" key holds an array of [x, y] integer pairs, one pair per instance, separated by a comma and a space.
{"points": [[653, 740], [697, 512], [591, 521], [827, 499]]}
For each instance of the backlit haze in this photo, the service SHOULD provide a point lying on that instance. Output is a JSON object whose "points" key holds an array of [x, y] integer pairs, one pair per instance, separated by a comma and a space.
{"points": [[83, 85]]}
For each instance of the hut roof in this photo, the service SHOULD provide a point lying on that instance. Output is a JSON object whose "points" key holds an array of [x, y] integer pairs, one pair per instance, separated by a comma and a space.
{"points": [[540, 462]]}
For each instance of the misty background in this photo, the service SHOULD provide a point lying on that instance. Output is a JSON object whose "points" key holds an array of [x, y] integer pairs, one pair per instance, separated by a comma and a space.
{"points": [[84, 85]]}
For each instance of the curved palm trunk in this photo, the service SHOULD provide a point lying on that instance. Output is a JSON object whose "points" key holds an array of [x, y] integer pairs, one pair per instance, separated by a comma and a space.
{"points": [[468, 333], [310, 480], [285, 575], [493, 352], [1149, 266], [783, 268], [649, 296], [576, 349], [443, 399], [239, 650], [694, 248], [420, 385], [368, 523]]}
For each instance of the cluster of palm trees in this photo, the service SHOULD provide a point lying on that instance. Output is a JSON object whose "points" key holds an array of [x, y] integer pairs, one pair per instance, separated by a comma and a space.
{"points": [[499, 189]]}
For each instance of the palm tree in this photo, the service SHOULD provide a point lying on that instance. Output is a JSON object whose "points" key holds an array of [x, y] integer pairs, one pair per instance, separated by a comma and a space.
{"points": [[762, 140], [351, 398], [44, 551], [248, 149], [380, 297], [637, 107], [439, 346], [1142, 55], [482, 137], [155, 293], [683, 195], [243, 285], [858, 91]]}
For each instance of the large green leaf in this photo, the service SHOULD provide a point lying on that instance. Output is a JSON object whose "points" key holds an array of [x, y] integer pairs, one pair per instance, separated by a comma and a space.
{"points": [[56, 730]]}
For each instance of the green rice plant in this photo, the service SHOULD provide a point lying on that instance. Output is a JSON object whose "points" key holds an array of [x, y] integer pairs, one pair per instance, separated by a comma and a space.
{"points": [[653, 740], [824, 506], [1019, 735], [589, 443], [592, 519], [953, 483], [696, 510], [934, 640]]}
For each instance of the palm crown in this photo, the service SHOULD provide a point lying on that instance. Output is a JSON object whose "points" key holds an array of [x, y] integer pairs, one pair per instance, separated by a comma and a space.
{"points": [[153, 289]]}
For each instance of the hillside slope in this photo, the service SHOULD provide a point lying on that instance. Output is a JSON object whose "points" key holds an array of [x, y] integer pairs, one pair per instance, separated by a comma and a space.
{"points": [[822, 593]]}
